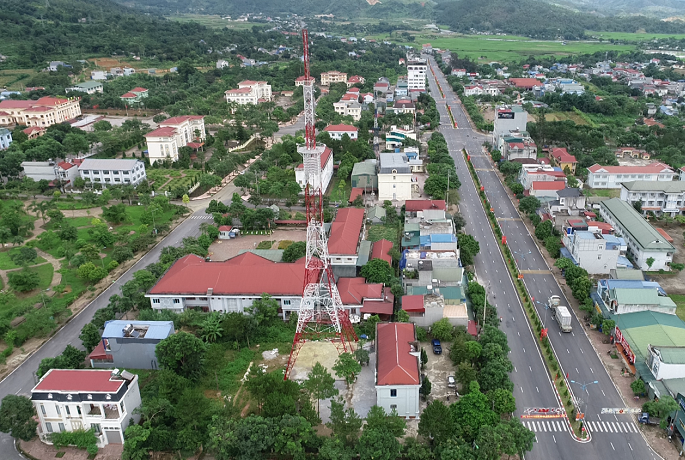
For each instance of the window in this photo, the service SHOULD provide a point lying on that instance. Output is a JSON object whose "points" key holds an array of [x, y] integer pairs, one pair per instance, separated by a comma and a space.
{"points": [[177, 300], [67, 409], [155, 300], [393, 393], [42, 409], [286, 302], [59, 412], [96, 428], [78, 409], [48, 426], [106, 344], [393, 407], [60, 426]]}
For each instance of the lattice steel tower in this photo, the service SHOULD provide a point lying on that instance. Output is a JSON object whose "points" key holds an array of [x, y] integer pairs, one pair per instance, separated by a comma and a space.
{"points": [[321, 314]]}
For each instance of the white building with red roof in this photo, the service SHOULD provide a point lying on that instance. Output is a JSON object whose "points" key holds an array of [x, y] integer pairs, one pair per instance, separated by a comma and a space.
{"points": [[536, 172], [299, 81], [83, 399], [249, 92], [354, 80], [333, 76], [172, 134], [356, 294], [44, 112], [347, 230], [338, 131], [397, 369], [326, 172], [134, 96], [613, 176], [228, 286], [549, 189]]}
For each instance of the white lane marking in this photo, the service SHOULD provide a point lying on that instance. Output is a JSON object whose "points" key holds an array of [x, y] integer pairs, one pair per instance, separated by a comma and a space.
{"points": [[555, 439], [537, 389], [581, 350], [531, 369], [631, 447], [524, 350], [592, 370], [603, 393], [612, 445], [568, 351]]}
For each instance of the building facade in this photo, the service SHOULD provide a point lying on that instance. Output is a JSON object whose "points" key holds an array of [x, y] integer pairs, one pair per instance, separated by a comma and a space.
{"points": [[394, 177], [416, 74], [249, 92], [83, 399], [43, 112], [172, 134], [509, 119], [88, 87], [5, 138], [326, 172], [338, 131], [333, 76], [613, 176], [112, 172], [661, 197]]}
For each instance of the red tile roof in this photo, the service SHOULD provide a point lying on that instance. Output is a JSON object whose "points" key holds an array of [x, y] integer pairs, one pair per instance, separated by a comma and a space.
{"points": [[79, 380], [246, 274], [345, 231], [380, 250], [354, 79], [395, 365], [165, 131], [413, 303], [379, 307], [422, 205], [653, 122], [129, 96], [525, 82], [353, 291], [179, 120], [33, 129], [651, 168], [98, 352], [562, 156], [341, 128], [356, 191], [354, 89], [225, 228], [239, 91], [548, 185], [138, 89], [50, 101], [349, 97], [64, 165], [12, 104]]}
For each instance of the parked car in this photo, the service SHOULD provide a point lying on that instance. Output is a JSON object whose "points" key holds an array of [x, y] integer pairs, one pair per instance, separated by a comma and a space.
{"points": [[451, 383], [437, 348]]}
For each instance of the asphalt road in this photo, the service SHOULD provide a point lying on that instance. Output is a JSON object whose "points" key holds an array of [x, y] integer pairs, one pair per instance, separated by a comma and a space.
{"points": [[611, 435]]}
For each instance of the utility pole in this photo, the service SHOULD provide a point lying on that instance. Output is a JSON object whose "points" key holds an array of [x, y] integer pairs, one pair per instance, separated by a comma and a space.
{"points": [[447, 193]]}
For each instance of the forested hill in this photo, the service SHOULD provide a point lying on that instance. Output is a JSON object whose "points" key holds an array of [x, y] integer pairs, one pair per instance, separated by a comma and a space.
{"points": [[340, 8], [33, 33], [540, 20]]}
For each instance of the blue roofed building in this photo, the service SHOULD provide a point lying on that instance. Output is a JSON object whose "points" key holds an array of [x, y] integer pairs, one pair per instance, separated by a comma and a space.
{"points": [[130, 344]]}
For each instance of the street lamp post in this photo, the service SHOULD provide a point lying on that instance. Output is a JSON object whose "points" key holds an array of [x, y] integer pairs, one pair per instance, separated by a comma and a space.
{"points": [[583, 388]]}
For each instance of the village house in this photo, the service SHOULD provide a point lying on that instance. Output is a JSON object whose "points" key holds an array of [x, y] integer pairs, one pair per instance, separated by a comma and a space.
{"points": [[563, 159], [338, 131]]}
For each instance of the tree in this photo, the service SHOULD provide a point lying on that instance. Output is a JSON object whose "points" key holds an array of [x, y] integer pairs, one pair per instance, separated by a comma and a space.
{"points": [[16, 417], [335, 449], [23, 280], [608, 326], [90, 337], [211, 329], [494, 375], [182, 353], [377, 271], [23, 256], [502, 400], [564, 263], [442, 330], [345, 423], [186, 199], [426, 387], [347, 367], [638, 387], [661, 408], [466, 374], [472, 412], [379, 420], [320, 384], [71, 358], [529, 204], [544, 230], [264, 310], [136, 438], [68, 232], [469, 247], [650, 262], [436, 422], [122, 254], [362, 356], [115, 214], [295, 251], [553, 246], [377, 445]]}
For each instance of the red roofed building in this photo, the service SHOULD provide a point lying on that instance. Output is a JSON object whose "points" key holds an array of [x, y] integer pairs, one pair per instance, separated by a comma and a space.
{"points": [[354, 193], [249, 92], [225, 232], [525, 83], [414, 207], [299, 81], [355, 79], [546, 188], [563, 159], [44, 112], [413, 305], [397, 369], [652, 122], [380, 250], [533, 173], [228, 286], [326, 171], [337, 131], [613, 176], [70, 399], [343, 241], [354, 292], [382, 307], [174, 133], [34, 131]]}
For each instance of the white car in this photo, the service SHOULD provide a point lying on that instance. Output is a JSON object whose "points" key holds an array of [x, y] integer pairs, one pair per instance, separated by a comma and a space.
{"points": [[451, 383]]}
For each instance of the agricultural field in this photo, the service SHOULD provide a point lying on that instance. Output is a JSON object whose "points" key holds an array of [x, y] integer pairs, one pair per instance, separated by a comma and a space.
{"points": [[14, 80], [213, 20], [632, 37], [563, 116]]}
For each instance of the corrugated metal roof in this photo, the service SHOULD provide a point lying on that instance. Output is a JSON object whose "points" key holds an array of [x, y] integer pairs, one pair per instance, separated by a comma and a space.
{"points": [[648, 327], [395, 365], [673, 186], [636, 226], [364, 168], [641, 297], [115, 165], [159, 330]]}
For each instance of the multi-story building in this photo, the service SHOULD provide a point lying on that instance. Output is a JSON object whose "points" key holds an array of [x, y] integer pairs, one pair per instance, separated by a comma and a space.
{"points": [[397, 369], [347, 229], [63, 173], [613, 176], [563, 159], [538, 173], [249, 92], [112, 172], [619, 297], [595, 252], [350, 108], [661, 197], [517, 145], [135, 96], [416, 74], [5, 138], [130, 344], [229, 286], [396, 137], [326, 172], [509, 119], [338, 131], [394, 177], [632, 152], [88, 87], [645, 243], [172, 134], [355, 80], [82, 399], [43, 112], [299, 81], [333, 76]]}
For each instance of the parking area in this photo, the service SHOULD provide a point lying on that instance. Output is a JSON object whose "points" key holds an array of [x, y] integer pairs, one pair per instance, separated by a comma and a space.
{"points": [[437, 369], [225, 249]]}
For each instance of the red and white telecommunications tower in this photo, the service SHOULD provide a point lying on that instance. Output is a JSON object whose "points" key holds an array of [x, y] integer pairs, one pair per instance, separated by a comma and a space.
{"points": [[321, 314]]}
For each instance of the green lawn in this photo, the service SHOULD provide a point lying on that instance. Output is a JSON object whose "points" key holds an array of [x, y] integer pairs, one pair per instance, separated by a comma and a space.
{"points": [[383, 232], [609, 193], [80, 221], [632, 37], [73, 204], [679, 300], [337, 194], [7, 264]]}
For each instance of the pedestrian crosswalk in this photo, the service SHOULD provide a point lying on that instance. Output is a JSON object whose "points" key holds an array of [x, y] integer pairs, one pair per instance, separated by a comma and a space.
{"points": [[544, 426], [201, 217], [611, 427]]}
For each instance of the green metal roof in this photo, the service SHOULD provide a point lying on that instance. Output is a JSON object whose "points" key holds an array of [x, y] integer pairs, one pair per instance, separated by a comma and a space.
{"points": [[274, 255], [376, 212], [88, 84], [674, 186], [636, 226], [411, 227], [651, 328], [675, 385], [448, 274], [364, 251], [627, 274], [641, 297], [364, 169], [672, 355]]}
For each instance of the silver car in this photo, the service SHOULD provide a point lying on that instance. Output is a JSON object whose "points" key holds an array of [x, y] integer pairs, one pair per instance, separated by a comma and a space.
{"points": [[451, 383]]}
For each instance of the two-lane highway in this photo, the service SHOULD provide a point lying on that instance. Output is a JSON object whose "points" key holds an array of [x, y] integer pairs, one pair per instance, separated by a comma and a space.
{"points": [[612, 435]]}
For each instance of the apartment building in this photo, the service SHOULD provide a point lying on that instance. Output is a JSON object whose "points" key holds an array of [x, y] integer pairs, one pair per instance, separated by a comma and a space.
{"points": [[416, 74], [613, 176], [82, 399], [43, 112], [249, 92], [537, 173], [595, 252], [350, 108], [644, 241], [130, 344], [333, 76], [112, 172], [517, 145], [509, 119], [394, 177], [661, 197], [338, 131], [172, 134]]}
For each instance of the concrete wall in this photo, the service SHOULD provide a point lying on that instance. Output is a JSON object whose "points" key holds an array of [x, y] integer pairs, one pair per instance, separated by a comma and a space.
{"points": [[406, 403], [394, 187]]}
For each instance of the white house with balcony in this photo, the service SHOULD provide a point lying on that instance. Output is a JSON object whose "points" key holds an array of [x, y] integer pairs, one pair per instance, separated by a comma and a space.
{"points": [[662, 197], [83, 399], [249, 92], [112, 172], [613, 176], [172, 134]]}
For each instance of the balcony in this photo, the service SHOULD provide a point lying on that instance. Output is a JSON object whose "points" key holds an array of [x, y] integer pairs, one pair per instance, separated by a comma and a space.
{"points": [[108, 411]]}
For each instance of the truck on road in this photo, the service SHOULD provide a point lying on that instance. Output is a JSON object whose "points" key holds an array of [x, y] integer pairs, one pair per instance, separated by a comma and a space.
{"points": [[563, 317], [645, 419], [553, 302]]}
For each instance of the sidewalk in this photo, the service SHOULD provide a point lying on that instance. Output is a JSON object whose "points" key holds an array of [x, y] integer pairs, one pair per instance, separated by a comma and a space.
{"points": [[37, 450]]}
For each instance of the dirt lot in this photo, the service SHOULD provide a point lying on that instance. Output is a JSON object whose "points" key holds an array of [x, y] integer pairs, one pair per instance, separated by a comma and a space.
{"points": [[489, 113], [225, 249]]}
